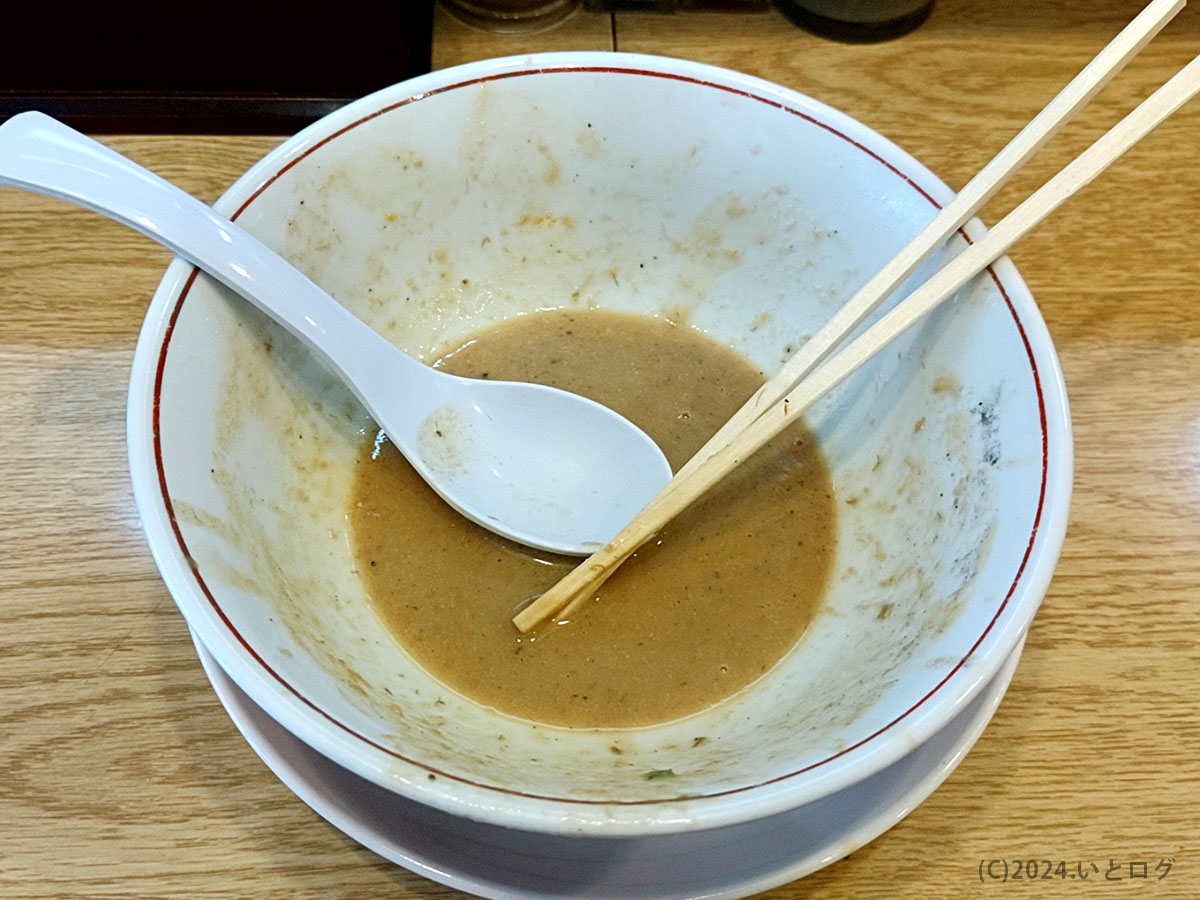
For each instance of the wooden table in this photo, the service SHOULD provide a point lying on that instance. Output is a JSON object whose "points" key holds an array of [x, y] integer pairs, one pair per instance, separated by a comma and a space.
{"points": [[120, 774]]}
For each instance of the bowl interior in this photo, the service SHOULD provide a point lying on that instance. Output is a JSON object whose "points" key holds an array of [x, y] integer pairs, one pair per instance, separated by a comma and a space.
{"points": [[439, 207]]}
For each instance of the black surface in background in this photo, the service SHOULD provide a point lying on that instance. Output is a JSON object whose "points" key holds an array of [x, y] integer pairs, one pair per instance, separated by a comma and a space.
{"points": [[214, 66]]}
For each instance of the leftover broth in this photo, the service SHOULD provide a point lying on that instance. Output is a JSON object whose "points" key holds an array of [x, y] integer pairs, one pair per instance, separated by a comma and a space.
{"points": [[720, 595]]}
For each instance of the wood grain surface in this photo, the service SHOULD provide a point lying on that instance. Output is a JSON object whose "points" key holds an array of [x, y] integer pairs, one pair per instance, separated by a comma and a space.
{"points": [[121, 775]]}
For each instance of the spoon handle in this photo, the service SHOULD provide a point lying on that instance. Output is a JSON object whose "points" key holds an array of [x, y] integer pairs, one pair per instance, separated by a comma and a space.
{"points": [[40, 154]]}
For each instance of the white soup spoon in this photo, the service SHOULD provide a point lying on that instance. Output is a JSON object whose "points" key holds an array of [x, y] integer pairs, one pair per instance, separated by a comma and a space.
{"points": [[544, 467]]}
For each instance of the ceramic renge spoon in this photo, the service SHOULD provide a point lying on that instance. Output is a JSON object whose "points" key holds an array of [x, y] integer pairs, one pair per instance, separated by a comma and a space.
{"points": [[538, 465]]}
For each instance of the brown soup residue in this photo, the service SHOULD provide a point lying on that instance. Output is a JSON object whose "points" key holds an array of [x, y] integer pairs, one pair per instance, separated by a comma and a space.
{"points": [[722, 593]]}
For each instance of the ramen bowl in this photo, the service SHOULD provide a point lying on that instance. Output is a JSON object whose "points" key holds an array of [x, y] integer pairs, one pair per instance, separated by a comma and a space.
{"points": [[467, 197]]}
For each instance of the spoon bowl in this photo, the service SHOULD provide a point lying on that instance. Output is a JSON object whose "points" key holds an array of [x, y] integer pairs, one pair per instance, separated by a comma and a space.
{"points": [[541, 466]]}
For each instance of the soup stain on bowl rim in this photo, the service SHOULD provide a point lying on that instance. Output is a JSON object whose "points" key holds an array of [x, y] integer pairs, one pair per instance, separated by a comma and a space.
{"points": [[268, 687]]}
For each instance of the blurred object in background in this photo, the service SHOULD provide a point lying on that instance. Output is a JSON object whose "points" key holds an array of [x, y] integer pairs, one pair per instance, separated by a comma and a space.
{"points": [[857, 21], [511, 16], [670, 6]]}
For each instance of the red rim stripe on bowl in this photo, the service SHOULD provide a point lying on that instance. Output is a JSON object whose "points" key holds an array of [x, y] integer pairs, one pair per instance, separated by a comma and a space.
{"points": [[770, 101]]}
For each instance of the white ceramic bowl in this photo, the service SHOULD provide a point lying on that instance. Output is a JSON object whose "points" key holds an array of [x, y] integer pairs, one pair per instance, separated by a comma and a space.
{"points": [[464, 197]]}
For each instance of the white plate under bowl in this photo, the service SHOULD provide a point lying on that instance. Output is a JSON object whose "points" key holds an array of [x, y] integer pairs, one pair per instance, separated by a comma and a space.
{"points": [[496, 862]]}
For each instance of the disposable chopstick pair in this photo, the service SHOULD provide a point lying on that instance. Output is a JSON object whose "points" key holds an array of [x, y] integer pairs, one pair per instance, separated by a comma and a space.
{"points": [[811, 372]]}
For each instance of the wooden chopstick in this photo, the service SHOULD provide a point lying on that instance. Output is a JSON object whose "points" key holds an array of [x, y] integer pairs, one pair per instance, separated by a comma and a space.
{"points": [[1097, 73], [769, 411]]}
